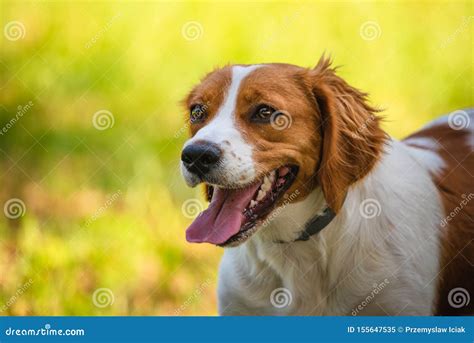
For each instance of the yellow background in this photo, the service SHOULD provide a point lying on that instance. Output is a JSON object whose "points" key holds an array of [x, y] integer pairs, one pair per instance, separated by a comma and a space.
{"points": [[103, 208]]}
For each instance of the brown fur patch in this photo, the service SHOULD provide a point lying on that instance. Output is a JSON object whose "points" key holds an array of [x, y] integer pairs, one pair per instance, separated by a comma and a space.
{"points": [[352, 137], [334, 136], [210, 93], [455, 184]]}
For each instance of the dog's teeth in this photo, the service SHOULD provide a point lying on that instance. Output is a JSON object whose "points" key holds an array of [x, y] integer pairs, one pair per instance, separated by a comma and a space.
{"points": [[266, 184], [252, 203], [272, 176], [260, 195]]}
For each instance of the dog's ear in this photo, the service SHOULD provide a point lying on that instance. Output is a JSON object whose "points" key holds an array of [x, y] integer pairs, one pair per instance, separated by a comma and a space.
{"points": [[351, 138]]}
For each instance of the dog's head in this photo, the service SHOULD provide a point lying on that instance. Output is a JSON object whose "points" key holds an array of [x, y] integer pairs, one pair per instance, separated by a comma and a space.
{"points": [[263, 132]]}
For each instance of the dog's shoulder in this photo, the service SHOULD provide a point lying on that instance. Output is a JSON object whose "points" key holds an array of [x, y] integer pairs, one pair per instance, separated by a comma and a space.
{"points": [[450, 141]]}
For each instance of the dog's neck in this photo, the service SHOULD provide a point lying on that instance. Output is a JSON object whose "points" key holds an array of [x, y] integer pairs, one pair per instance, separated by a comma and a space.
{"points": [[288, 221], [354, 237], [339, 266], [377, 194]]}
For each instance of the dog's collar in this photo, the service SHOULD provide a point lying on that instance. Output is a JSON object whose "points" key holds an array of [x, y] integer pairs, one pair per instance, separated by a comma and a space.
{"points": [[314, 226]]}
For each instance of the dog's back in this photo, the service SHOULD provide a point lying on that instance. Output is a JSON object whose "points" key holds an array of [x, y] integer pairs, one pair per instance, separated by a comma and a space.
{"points": [[452, 140]]}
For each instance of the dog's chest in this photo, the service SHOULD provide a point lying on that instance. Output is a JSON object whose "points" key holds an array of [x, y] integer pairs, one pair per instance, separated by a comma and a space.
{"points": [[303, 280]]}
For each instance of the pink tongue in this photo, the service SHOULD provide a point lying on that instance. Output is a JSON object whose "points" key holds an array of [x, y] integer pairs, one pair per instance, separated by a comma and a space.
{"points": [[223, 218]]}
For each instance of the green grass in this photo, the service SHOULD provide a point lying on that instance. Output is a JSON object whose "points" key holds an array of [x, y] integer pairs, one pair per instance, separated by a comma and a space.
{"points": [[103, 208]]}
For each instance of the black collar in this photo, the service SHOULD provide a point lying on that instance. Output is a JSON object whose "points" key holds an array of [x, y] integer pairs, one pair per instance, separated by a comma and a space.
{"points": [[315, 225]]}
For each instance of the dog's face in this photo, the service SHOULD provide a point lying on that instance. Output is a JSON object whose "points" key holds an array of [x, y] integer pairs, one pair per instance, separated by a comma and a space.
{"points": [[263, 132]]}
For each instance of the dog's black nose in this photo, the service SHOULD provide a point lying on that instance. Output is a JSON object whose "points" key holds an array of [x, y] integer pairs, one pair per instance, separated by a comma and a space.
{"points": [[199, 158]]}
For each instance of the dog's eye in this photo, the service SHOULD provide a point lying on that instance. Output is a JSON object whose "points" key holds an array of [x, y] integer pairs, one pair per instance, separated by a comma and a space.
{"points": [[198, 113], [262, 114]]}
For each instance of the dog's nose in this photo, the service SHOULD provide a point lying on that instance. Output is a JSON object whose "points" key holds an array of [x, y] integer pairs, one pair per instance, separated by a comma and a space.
{"points": [[199, 158]]}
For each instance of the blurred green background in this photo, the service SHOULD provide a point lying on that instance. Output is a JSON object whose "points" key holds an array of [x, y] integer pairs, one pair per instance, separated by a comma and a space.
{"points": [[91, 130]]}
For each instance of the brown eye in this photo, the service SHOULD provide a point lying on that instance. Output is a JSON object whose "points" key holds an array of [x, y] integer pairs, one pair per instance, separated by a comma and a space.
{"points": [[262, 114], [198, 113]]}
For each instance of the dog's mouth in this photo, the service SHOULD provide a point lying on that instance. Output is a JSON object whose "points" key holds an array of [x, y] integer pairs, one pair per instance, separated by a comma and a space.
{"points": [[234, 214]]}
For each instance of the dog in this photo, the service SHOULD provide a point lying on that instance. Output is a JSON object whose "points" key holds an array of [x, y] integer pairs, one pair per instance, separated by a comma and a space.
{"points": [[320, 212]]}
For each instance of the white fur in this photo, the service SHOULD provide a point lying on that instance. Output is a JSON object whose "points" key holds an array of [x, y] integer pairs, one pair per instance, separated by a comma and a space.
{"points": [[237, 166], [424, 152], [335, 271]]}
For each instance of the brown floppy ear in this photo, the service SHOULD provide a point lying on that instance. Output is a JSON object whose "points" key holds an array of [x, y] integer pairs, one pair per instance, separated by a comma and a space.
{"points": [[352, 139]]}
